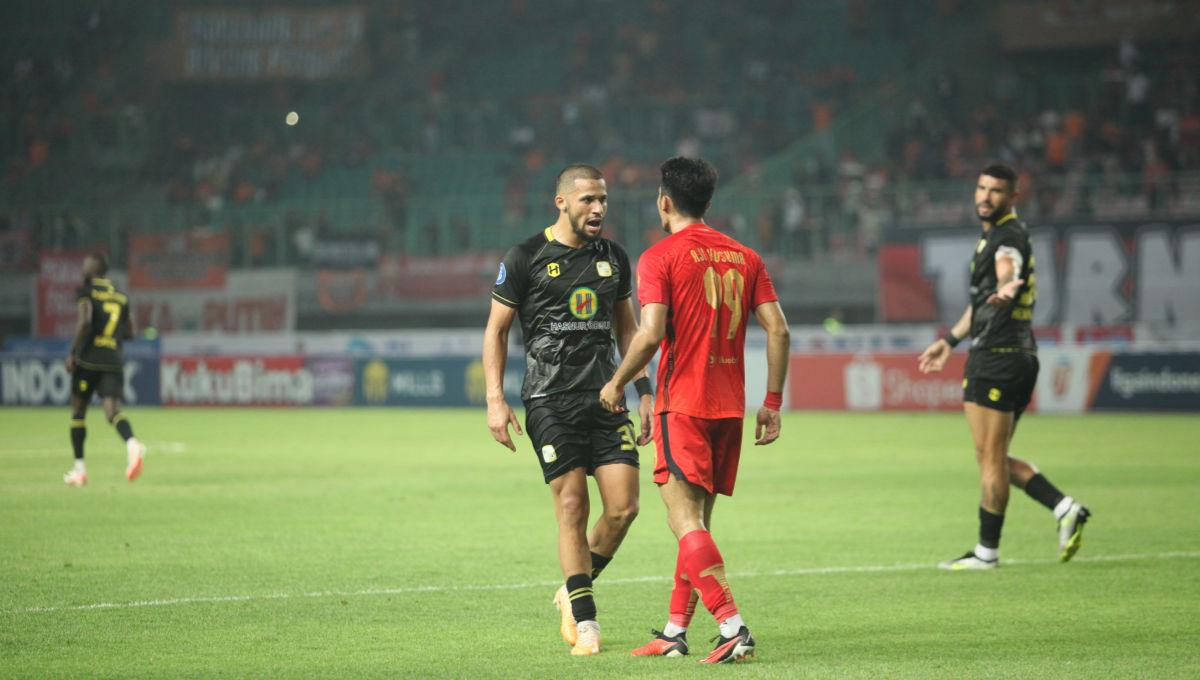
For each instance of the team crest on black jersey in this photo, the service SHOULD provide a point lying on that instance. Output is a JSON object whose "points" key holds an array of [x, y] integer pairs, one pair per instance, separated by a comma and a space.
{"points": [[552, 270], [603, 268], [583, 303]]}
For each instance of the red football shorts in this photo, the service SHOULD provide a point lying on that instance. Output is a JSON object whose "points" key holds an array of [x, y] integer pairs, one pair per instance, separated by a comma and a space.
{"points": [[703, 451]]}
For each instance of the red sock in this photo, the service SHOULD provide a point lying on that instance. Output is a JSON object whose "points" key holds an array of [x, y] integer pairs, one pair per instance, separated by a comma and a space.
{"points": [[683, 597], [705, 568]]}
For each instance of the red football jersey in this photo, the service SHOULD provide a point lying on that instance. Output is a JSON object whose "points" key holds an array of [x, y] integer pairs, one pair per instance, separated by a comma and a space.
{"points": [[711, 285]]}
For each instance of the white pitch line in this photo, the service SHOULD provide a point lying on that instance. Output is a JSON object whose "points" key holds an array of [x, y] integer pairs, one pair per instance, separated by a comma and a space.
{"points": [[406, 590]]}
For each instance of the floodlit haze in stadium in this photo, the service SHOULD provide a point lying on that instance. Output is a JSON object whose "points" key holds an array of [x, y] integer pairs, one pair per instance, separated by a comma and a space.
{"points": [[273, 276]]}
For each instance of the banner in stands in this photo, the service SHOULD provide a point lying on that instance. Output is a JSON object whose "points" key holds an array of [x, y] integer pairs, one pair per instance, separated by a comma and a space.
{"points": [[1042, 26], [236, 381], [873, 382], [236, 44], [33, 373], [402, 276], [1092, 274], [193, 259], [60, 274], [429, 382], [252, 301]]}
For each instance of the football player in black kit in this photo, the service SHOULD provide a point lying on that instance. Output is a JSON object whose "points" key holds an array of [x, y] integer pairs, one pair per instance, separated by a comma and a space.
{"points": [[96, 365], [572, 291], [1001, 372]]}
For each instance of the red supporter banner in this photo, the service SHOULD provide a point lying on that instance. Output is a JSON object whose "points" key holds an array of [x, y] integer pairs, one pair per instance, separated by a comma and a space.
{"points": [[236, 381], [453, 276], [195, 259], [60, 274], [873, 382], [250, 301]]}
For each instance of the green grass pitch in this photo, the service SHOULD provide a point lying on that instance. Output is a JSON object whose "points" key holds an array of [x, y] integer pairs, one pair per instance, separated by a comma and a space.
{"points": [[405, 543]]}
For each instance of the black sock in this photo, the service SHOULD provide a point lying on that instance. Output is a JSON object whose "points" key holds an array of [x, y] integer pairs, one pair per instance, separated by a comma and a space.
{"points": [[599, 562], [1041, 490], [78, 434], [989, 528], [579, 592], [124, 429]]}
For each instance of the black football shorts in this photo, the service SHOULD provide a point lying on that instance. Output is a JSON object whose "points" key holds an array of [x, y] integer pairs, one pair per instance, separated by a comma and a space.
{"points": [[85, 382], [1000, 380], [573, 430]]}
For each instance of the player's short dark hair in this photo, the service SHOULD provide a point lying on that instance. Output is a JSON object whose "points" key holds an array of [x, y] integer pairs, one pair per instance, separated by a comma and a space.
{"points": [[566, 178], [1002, 171], [690, 182], [101, 263]]}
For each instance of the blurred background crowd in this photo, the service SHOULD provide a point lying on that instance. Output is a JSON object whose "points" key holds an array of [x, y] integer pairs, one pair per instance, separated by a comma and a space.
{"points": [[435, 129]]}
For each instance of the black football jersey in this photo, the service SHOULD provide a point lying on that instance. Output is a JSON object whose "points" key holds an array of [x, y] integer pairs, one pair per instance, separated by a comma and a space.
{"points": [[565, 298], [1009, 327], [110, 315]]}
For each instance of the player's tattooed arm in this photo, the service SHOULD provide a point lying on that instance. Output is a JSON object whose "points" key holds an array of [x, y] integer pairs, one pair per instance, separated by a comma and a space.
{"points": [[1007, 281], [83, 328], [495, 354]]}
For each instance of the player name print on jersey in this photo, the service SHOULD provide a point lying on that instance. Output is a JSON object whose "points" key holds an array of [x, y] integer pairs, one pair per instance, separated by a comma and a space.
{"points": [[714, 255]]}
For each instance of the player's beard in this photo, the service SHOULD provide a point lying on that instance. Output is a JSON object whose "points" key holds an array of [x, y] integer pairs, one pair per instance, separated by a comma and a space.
{"points": [[991, 216], [579, 226]]}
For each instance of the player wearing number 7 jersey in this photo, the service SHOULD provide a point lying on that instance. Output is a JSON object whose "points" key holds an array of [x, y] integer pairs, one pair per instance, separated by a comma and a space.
{"points": [[697, 287], [96, 365]]}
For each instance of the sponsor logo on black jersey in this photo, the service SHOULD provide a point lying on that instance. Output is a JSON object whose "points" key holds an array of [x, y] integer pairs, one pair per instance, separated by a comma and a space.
{"points": [[583, 303]]}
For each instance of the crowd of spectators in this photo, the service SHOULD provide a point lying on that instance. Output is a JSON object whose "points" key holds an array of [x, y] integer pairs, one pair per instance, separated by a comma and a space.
{"points": [[1135, 125], [621, 84], [1119, 140], [610, 82]]}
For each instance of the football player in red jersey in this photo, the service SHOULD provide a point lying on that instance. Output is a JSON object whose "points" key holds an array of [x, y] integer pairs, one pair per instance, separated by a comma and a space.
{"points": [[697, 288]]}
